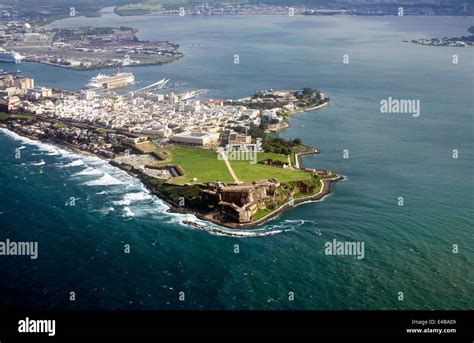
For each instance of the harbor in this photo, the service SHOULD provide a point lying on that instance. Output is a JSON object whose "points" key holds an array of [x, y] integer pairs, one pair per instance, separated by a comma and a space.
{"points": [[10, 56]]}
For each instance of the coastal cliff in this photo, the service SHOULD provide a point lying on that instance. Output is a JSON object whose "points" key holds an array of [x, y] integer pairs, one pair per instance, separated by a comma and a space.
{"points": [[240, 206]]}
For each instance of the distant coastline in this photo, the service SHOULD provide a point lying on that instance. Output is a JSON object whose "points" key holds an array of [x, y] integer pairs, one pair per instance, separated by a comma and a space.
{"points": [[454, 42]]}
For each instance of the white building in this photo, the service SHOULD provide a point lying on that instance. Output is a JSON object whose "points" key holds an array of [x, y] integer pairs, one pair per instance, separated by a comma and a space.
{"points": [[196, 138]]}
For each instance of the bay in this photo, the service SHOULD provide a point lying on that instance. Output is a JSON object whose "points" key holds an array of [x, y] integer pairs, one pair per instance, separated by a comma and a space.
{"points": [[408, 249]]}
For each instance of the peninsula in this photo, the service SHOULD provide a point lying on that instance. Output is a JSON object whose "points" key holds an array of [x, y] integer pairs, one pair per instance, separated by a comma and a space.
{"points": [[217, 159], [464, 41], [84, 48]]}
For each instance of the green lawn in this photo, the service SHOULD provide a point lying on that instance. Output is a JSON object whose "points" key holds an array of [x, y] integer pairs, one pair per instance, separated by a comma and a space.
{"points": [[262, 156], [203, 164], [197, 163], [248, 172], [261, 213]]}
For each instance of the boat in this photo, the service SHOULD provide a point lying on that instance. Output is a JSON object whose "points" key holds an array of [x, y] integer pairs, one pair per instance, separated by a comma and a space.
{"points": [[10, 56], [117, 80]]}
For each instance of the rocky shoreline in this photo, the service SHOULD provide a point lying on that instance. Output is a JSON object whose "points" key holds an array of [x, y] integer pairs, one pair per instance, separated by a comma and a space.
{"points": [[208, 216], [326, 189]]}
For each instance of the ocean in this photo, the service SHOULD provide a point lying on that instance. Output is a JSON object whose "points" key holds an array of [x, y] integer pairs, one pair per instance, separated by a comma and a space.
{"points": [[408, 248]]}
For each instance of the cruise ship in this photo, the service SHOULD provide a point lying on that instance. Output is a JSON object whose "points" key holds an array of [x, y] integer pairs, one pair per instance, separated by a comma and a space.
{"points": [[116, 80], [10, 56]]}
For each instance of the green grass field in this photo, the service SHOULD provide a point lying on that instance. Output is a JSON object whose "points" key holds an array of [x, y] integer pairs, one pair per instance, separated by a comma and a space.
{"points": [[262, 156], [203, 165], [261, 213], [248, 172], [197, 163]]}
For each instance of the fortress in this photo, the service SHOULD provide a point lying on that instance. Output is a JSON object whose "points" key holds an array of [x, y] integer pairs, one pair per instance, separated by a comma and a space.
{"points": [[240, 202]]}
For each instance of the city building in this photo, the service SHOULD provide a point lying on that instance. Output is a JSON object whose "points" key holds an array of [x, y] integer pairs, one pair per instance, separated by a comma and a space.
{"points": [[194, 138], [237, 138]]}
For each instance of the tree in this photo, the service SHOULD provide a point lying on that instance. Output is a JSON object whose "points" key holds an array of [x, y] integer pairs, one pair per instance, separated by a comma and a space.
{"points": [[296, 141]]}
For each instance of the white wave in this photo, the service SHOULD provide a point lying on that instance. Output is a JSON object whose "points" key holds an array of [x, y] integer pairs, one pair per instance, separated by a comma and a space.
{"points": [[122, 202], [183, 219], [128, 212], [75, 163], [88, 171], [296, 221], [14, 135], [106, 210], [155, 207], [287, 225], [160, 205], [102, 193], [139, 196], [115, 176], [93, 161], [22, 147], [105, 180], [53, 150], [40, 163], [220, 231], [54, 153], [133, 197]]}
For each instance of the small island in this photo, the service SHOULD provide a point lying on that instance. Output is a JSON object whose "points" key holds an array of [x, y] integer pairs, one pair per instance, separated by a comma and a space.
{"points": [[217, 159]]}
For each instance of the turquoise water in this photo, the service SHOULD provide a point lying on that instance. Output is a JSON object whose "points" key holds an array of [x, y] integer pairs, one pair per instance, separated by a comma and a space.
{"points": [[407, 248]]}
